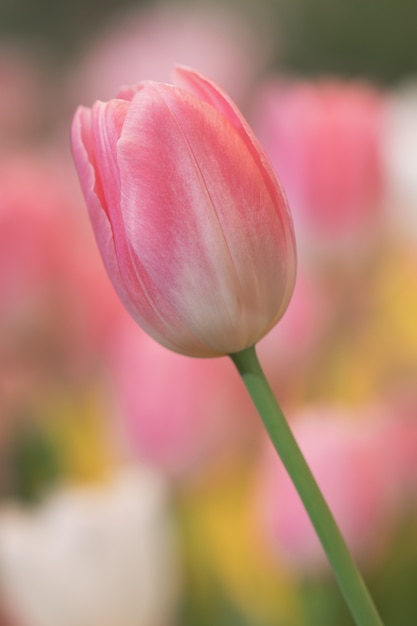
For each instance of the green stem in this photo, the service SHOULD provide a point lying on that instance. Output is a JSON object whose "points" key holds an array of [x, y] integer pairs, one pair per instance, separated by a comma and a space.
{"points": [[350, 581]]}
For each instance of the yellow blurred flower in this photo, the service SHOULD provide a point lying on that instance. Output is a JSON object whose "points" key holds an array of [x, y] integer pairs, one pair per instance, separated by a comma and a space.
{"points": [[224, 545]]}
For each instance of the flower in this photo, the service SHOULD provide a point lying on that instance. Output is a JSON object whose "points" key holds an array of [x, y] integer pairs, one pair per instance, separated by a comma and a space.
{"points": [[324, 138], [105, 554], [399, 139], [142, 42], [187, 428], [290, 352], [191, 222], [57, 307], [345, 456]]}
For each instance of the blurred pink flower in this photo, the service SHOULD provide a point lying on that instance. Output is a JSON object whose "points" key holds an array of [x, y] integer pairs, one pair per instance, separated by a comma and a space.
{"points": [[179, 413], [36, 228], [147, 43], [292, 346], [56, 303], [324, 140], [344, 456]]}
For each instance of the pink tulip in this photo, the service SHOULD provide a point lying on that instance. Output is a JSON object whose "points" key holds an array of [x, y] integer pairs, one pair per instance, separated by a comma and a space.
{"points": [[345, 458], [290, 351], [33, 234], [168, 410], [57, 306], [141, 43], [191, 222], [324, 138]]}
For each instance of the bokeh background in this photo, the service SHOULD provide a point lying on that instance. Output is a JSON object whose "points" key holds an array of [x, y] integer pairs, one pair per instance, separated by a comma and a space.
{"points": [[137, 487]]}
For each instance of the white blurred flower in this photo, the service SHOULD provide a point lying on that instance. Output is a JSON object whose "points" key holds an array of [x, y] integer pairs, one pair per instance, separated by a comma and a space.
{"points": [[400, 158], [92, 556]]}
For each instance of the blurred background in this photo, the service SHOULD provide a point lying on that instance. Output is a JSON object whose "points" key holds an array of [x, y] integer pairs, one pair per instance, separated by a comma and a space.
{"points": [[137, 487]]}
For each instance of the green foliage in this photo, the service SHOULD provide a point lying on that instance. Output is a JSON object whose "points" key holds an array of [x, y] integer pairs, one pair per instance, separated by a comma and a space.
{"points": [[361, 38], [33, 464], [365, 38]]}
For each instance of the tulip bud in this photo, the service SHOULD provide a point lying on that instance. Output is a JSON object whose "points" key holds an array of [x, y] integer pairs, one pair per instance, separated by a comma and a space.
{"points": [[191, 222]]}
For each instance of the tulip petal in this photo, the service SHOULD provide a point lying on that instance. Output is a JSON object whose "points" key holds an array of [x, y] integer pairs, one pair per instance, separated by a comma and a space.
{"points": [[127, 92], [101, 132], [207, 232], [191, 222], [208, 92], [83, 149]]}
